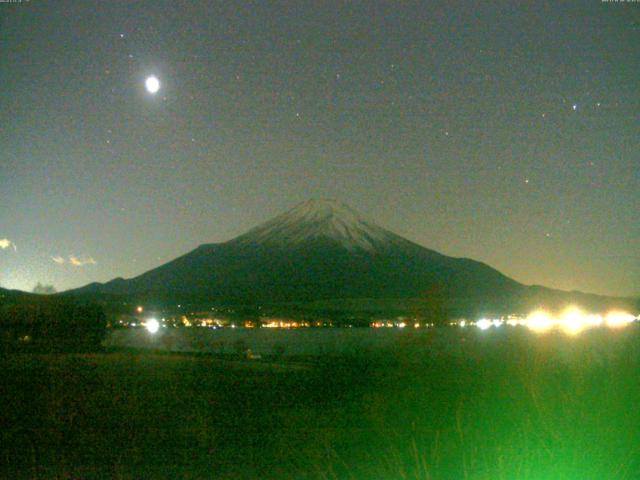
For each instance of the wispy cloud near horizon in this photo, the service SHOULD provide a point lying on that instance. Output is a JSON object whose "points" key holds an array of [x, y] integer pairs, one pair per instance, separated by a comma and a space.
{"points": [[81, 261], [74, 260], [6, 243]]}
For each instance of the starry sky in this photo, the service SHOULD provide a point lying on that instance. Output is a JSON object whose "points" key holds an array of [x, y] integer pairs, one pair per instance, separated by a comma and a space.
{"points": [[508, 132]]}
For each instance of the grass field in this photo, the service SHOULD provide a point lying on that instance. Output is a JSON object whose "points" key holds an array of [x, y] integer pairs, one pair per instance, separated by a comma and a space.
{"points": [[513, 406]]}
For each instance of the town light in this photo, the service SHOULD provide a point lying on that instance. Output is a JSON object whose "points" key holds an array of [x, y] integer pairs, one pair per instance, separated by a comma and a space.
{"points": [[484, 323], [617, 319], [539, 321], [152, 325], [573, 321]]}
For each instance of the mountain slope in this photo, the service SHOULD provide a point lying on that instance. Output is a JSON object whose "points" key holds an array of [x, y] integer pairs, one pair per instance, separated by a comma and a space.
{"points": [[8, 296], [319, 250]]}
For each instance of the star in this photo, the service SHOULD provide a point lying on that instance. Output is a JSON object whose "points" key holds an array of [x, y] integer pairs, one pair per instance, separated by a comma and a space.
{"points": [[574, 107]]}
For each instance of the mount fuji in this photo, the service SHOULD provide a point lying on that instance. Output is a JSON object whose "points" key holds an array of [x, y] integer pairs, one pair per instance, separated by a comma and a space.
{"points": [[322, 250]]}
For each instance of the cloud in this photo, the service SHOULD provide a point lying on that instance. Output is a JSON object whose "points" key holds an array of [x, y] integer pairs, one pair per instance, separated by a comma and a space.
{"points": [[74, 260], [81, 261], [6, 243]]}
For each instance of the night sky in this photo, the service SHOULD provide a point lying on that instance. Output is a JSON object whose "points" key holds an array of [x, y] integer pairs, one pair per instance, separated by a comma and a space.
{"points": [[504, 132]]}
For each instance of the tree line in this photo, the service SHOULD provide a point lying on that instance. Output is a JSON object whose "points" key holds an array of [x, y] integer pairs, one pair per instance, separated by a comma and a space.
{"points": [[51, 324]]}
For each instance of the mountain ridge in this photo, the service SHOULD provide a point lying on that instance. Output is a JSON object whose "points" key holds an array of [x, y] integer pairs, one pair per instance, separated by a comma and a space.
{"points": [[323, 250]]}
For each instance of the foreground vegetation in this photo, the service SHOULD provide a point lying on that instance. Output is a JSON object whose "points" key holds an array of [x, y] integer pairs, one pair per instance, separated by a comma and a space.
{"points": [[50, 324], [497, 405]]}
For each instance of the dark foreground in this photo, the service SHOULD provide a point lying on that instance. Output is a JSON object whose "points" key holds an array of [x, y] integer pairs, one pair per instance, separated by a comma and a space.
{"points": [[514, 406]]}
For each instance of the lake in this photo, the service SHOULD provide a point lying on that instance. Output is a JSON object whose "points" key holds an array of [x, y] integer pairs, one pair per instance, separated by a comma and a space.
{"points": [[423, 342]]}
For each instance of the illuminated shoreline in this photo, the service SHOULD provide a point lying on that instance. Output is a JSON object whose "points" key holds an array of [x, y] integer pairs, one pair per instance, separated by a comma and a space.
{"points": [[571, 321]]}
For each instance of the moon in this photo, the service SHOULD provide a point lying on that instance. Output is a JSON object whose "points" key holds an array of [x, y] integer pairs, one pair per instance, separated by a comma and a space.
{"points": [[152, 84]]}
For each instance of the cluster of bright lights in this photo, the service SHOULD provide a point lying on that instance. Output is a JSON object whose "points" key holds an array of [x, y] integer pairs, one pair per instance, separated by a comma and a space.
{"points": [[571, 321], [400, 324], [485, 323], [274, 323]]}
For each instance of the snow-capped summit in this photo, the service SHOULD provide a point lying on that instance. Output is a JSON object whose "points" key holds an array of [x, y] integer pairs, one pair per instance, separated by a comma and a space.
{"points": [[320, 220]]}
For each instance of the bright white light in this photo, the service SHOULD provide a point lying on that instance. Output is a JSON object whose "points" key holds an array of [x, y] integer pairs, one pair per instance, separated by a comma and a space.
{"points": [[539, 321], [152, 84], [515, 322], [573, 321], [152, 325], [617, 319], [483, 323], [593, 320], [463, 323]]}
